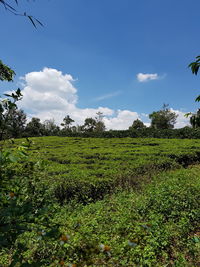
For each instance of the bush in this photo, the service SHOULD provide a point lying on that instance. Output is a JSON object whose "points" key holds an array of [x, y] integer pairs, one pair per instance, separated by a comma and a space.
{"points": [[157, 228]]}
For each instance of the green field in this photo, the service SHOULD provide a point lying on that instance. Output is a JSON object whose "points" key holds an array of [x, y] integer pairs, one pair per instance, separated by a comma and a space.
{"points": [[91, 167], [105, 202]]}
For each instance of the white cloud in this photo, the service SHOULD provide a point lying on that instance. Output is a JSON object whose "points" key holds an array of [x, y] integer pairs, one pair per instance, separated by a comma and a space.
{"points": [[148, 124], [145, 77], [48, 89], [50, 94], [181, 121], [122, 120]]}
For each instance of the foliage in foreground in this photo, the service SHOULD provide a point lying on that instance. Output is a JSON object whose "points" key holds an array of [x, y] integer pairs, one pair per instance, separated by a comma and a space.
{"points": [[153, 226], [158, 227], [194, 66]]}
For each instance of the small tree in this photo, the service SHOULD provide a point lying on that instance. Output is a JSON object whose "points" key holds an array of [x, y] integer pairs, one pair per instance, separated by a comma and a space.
{"points": [[50, 127], [94, 125], [137, 125], [100, 125], [163, 119], [89, 125], [34, 128], [67, 121]]}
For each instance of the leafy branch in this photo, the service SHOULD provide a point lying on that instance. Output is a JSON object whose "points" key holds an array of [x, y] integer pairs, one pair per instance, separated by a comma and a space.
{"points": [[13, 10], [6, 107], [194, 66]]}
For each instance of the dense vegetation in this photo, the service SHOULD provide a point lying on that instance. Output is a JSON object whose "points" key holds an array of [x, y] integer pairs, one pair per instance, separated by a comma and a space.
{"points": [[86, 169], [100, 202], [97, 202], [115, 201], [183, 133], [76, 201], [13, 124], [17, 129]]}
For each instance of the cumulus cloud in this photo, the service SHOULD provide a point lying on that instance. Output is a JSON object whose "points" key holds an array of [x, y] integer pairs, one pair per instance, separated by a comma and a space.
{"points": [[50, 94], [48, 89], [181, 121], [122, 120], [145, 77]]}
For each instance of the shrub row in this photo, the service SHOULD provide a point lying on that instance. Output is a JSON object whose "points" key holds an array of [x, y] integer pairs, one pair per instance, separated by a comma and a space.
{"points": [[85, 192], [182, 133]]}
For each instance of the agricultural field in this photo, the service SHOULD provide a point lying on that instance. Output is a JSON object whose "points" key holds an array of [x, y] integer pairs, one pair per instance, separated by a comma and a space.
{"points": [[102, 202], [88, 168]]}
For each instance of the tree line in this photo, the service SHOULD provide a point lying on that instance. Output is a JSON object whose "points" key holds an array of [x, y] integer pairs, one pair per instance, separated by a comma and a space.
{"points": [[13, 121], [13, 124]]}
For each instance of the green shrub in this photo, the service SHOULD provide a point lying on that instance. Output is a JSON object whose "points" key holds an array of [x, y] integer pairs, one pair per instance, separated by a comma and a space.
{"points": [[156, 228], [96, 225]]}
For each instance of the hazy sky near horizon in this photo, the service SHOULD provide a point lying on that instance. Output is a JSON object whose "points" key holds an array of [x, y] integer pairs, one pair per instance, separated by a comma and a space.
{"points": [[124, 58]]}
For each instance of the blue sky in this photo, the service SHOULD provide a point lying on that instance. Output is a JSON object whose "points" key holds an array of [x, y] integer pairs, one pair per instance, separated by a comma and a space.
{"points": [[104, 45]]}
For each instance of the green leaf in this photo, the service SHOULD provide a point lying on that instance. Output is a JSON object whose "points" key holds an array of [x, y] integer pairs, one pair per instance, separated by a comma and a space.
{"points": [[12, 158], [188, 114], [7, 95], [197, 99], [18, 92], [22, 153], [196, 239], [39, 22], [32, 21]]}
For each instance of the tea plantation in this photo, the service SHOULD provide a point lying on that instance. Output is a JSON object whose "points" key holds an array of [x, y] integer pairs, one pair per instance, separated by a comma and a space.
{"points": [[100, 202]]}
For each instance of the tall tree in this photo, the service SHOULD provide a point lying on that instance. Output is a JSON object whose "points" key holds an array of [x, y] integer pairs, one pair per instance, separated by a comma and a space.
{"points": [[163, 119], [100, 125], [67, 121], [89, 125], [16, 122]]}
